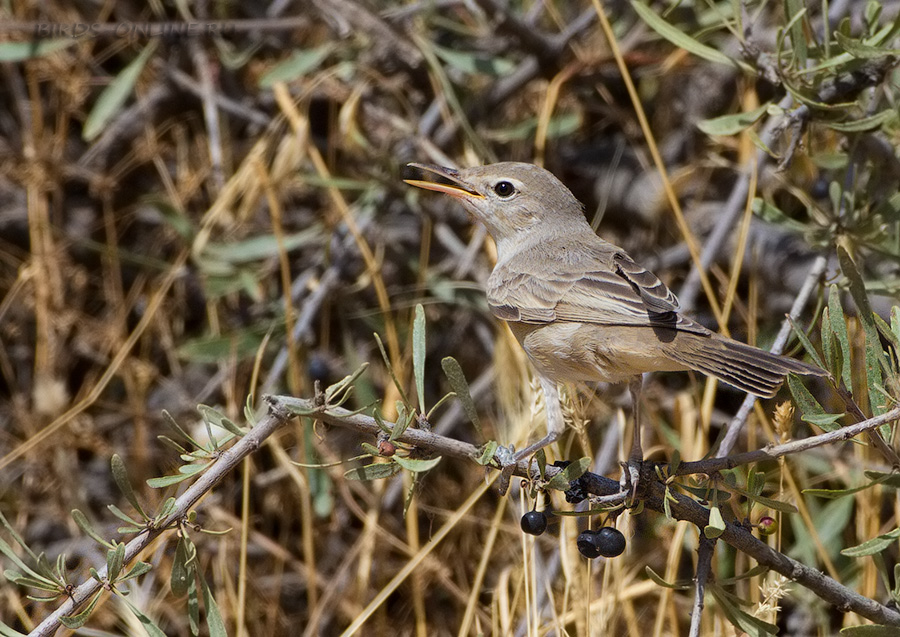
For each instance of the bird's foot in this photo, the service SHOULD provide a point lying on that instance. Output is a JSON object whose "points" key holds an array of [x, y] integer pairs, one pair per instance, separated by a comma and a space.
{"points": [[631, 478], [508, 459]]}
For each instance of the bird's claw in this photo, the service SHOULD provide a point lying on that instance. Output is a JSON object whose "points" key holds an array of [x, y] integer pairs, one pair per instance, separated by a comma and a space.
{"points": [[631, 478], [506, 458]]}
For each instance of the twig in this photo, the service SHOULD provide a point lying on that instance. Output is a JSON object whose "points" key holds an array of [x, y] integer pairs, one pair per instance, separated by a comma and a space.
{"points": [[704, 565], [222, 467], [712, 465]]}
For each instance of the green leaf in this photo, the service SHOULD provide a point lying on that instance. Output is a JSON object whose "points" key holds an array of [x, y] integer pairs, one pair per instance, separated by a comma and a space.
{"points": [[114, 96], [148, 624], [796, 13], [487, 454], [165, 481], [839, 329], [77, 621], [82, 522], [572, 471], [183, 567], [682, 40], [810, 409], [120, 475], [258, 248], [454, 373], [807, 344], [6, 631], [419, 355], [115, 560], [376, 471], [862, 50], [241, 344], [214, 620], [678, 585], [390, 368], [474, 62], [21, 51], [300, 63], [417, 465], [865, 123], [716, 526], [875, 545], [732, 124], [874, 353], [136, 571], [740, 619]]}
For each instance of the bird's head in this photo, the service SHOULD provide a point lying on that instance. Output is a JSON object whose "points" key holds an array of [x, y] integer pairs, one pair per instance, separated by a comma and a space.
{"points": [[511, 199]]}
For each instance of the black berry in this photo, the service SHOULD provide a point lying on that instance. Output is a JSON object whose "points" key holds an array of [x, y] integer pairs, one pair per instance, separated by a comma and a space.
{"points": [[534, 523], [607, 542], [610, 542], [587, 544]]}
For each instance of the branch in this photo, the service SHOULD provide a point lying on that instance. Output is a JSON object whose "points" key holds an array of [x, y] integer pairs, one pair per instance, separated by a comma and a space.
{"points": [[682, 508], [226, 462], [712, 465]]}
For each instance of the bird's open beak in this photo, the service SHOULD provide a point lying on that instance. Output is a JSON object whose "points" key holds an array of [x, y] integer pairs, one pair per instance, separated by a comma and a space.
{"points": [[446, 181]]}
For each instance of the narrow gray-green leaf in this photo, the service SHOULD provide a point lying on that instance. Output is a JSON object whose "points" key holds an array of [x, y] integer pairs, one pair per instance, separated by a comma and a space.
{"points": [[417, 465], [214, 620], [734, 123], [678, 585], [487, 453], [681, 39], [146, 623], [741, 620], [115, 560], [82, 522], [460, 387], [419, 355], [807, 344], [20, 51], [875, 545], [300, 63], [874, 353], [572, 471], [839, 329], [73, 622], [166, 481], [377, 471], [115, 95], [137, 570], [120, 475], [183, 567], [865, 123], [810, 409]]}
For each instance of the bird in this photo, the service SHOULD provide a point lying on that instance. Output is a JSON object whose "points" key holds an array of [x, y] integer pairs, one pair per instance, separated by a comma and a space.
{"points": [[581, 308]]}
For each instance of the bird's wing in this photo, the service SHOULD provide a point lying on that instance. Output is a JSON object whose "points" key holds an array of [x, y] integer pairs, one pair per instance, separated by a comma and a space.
{"points": [[602, 287]]}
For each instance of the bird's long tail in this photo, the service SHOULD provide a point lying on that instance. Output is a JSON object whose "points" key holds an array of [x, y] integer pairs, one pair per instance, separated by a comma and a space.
{"points": [[748, 368]]}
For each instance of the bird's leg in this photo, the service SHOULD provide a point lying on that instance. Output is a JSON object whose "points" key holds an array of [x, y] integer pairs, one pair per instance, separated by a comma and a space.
{"points": [[632, 468], [555, 421], [555, 428]]}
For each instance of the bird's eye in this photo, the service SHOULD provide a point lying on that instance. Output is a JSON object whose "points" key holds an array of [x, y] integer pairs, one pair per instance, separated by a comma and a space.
{"points": [[504, 189]]}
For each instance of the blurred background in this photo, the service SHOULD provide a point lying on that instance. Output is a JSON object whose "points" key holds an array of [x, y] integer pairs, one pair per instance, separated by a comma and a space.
{"points": [[202, 217]]}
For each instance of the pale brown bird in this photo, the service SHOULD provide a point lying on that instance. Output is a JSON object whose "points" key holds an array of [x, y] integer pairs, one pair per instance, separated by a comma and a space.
{"points": [[581, 308]]}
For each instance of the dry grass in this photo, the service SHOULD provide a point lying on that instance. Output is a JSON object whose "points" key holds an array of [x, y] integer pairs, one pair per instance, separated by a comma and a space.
{"points": [[168, 261]]}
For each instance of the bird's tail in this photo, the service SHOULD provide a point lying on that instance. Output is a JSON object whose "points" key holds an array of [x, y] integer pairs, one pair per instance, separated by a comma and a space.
{"points": [[748, 368]]}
